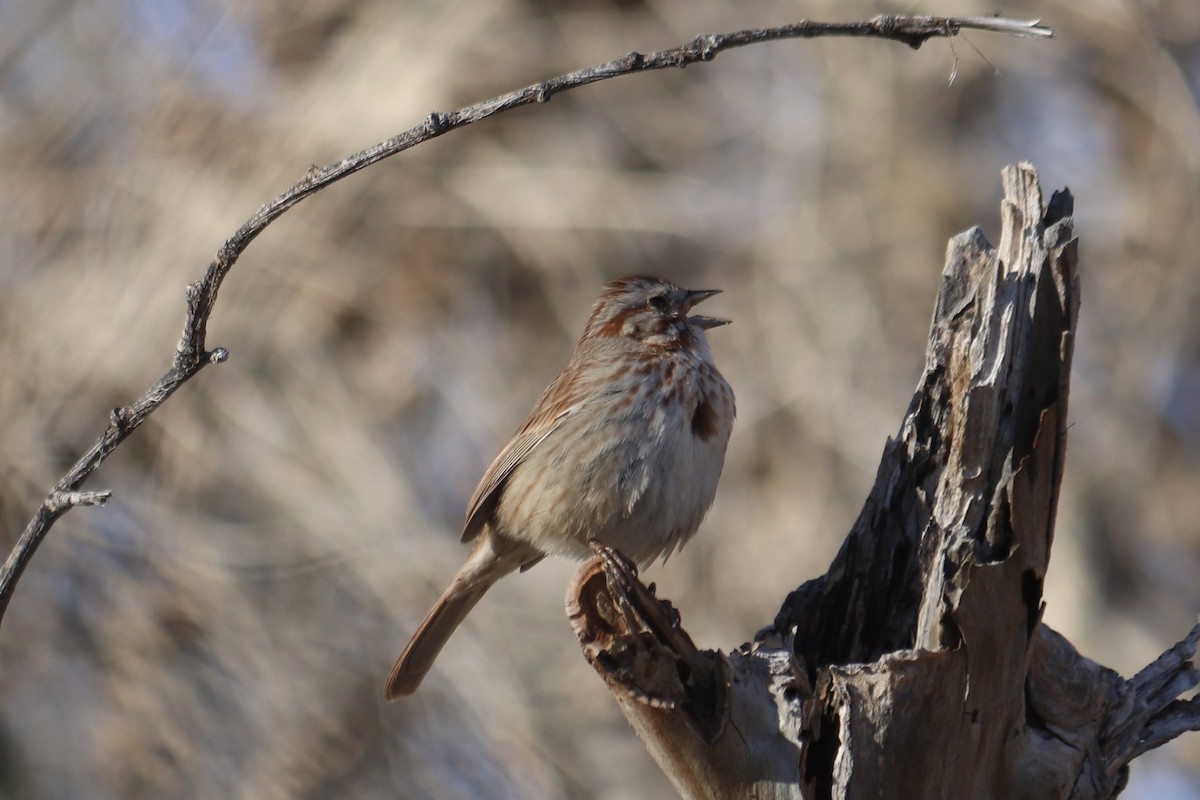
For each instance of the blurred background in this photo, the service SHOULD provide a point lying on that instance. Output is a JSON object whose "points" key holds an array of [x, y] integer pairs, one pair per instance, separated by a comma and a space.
{"points": [[222, 628]]}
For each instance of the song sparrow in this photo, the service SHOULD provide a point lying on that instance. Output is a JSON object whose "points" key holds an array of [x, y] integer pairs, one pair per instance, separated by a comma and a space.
{"points": [[624, 446]]}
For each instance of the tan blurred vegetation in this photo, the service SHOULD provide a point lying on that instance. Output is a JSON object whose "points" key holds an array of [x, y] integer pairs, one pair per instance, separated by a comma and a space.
{"points": [[222, 628]]}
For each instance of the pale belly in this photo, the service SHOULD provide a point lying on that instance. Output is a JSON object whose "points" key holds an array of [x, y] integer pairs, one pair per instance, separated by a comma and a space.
{"points": [[641, 483]]}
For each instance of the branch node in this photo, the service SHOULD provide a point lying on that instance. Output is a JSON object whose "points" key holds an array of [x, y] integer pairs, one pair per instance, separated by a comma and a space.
{"points": [[885, 24], [61, 501], [116, 419], [90, 498], [900, 29], [634, 60], [436, 123], [218, 355]]}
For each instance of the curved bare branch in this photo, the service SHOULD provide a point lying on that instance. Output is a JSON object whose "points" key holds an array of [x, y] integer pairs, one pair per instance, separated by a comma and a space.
{"points": [[192, 353]]}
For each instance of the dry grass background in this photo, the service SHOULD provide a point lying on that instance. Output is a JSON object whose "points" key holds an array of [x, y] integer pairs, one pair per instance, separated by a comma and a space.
{"points": [[222, 628]]}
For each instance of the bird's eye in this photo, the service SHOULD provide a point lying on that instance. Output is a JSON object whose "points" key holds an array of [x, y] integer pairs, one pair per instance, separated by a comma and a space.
{"points": [[658, 302]]}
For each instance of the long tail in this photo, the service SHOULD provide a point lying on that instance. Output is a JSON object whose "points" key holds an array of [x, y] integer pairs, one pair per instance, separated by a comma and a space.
{"points": [[441, 621], [490, 560]]}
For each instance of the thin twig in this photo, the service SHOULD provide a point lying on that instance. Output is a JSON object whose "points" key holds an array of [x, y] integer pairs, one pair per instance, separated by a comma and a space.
{"points": [[191, 354]]}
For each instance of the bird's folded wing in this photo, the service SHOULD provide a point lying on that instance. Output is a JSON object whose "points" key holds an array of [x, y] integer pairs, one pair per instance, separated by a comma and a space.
{"points": [[557, 403]]}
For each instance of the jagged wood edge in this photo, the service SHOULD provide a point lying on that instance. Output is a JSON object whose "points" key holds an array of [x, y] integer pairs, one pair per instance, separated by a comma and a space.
{"points": [[859, 623], [1081, 723]]}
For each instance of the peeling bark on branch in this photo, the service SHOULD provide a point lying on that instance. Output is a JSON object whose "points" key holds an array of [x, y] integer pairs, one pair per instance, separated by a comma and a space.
{"points": [[917, 666]]}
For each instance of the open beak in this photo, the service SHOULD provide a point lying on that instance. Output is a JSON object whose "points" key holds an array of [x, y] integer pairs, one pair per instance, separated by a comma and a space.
{"points": [[700, 321]]}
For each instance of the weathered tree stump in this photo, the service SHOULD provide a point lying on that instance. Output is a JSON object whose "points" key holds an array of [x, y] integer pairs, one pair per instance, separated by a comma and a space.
{"points": [[918, 665]]}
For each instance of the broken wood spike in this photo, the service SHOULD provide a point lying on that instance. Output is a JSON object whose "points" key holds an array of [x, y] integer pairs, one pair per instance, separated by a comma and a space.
{"points": [[636, 642]]}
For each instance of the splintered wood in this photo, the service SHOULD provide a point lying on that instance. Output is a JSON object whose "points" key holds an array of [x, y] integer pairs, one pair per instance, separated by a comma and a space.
{"points": [[918, 665]]}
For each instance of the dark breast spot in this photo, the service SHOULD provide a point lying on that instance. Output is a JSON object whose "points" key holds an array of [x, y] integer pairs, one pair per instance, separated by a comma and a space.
{"points": [[704, 420]]}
